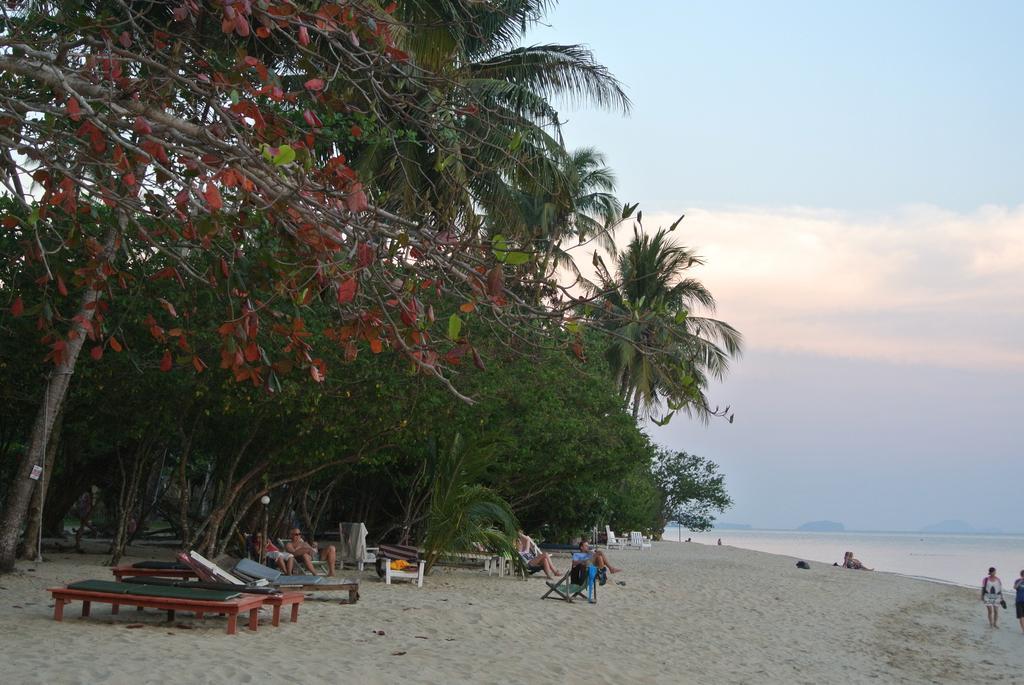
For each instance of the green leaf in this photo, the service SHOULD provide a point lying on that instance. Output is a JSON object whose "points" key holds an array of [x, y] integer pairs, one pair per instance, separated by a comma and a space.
{"points": [[516, 141], [265, 151], [663, 421], [572, 327], [676, 223], [628, 209], [681, 316], [514, 258], [454, 326], [499, 247], [234, 96], [285, 155]]}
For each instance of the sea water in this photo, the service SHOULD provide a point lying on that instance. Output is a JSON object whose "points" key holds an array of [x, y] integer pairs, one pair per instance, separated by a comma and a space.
{"points": [[962, 559]]}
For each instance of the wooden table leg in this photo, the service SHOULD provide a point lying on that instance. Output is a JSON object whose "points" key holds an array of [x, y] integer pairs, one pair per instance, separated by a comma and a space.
{"points": [[200, 615], [295, 612], [86, 605], [353, 596], [276, 620], [170, 615], [58, 609], [232, 620], [254, 618], [115, 608]]}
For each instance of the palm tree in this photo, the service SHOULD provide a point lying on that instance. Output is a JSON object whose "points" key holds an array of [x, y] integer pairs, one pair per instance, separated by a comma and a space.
{"points": [[659, 352], [464, 515], [497, 99]]}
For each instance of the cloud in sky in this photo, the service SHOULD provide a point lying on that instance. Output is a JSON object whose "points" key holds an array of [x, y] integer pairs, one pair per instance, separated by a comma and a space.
{"points": [[922, 285]]}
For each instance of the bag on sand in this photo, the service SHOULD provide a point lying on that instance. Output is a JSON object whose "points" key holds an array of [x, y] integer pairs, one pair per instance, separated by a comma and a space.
{"points": [[1002, 603], [802, 564]]}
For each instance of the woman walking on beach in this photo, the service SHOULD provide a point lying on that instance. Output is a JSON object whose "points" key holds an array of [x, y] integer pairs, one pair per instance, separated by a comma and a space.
{"points": [[1018, 585], [992, 595]]}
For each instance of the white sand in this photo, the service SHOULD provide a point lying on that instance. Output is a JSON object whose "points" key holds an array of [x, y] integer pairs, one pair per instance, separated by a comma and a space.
{"points": [[689, 613]]}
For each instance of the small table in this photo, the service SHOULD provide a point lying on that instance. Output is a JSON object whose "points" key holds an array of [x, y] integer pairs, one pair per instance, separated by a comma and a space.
{"points": [[292, 599]]}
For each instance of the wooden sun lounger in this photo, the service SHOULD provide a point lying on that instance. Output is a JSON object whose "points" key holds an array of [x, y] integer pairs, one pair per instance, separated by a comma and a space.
{"points": [[230, 607], [132, 572], [351, 587]]}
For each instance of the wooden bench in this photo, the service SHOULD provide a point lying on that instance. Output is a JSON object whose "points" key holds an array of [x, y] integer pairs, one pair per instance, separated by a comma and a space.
{"points": [[230, 607], [132, 572], [351, 587]]}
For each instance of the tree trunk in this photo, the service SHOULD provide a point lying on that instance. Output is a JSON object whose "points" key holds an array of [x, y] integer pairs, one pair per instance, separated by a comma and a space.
{"points": [[20, 492], [30, 549]]}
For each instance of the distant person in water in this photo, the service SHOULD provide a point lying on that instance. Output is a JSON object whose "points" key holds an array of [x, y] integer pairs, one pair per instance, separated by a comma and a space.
{"points": [[850, 562], [719, 542], [1018, 585], [992, 595]]}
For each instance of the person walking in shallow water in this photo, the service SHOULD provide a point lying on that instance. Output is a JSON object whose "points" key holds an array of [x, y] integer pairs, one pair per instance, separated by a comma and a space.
{"points": [[992, 595], [1018, 585]]}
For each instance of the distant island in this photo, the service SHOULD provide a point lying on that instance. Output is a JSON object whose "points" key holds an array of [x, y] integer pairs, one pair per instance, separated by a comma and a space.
{"points": [[956, 526], [722, 525], [823, 527]]}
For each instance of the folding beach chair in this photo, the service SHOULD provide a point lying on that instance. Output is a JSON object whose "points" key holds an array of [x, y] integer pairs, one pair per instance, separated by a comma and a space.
{"points": [[579, 579]]}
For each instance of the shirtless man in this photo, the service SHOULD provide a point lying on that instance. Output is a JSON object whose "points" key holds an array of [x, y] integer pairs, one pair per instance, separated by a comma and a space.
{"points": [[306, 552]]}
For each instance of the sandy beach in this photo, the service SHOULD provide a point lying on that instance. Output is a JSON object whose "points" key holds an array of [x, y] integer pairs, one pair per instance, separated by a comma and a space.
{"points": [[687, 613]]}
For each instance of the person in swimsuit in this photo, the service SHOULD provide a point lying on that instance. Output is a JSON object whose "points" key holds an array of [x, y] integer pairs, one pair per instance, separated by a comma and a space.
{"points": [[534, 559], [850, 562], [991, 596], [1018, 585], [285, 561], [306, 552]]}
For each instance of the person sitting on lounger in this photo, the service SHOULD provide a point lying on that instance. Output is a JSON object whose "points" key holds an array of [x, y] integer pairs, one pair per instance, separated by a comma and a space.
{"points": [[598, 558], [306, 552], [534, 559], [285, 561]]}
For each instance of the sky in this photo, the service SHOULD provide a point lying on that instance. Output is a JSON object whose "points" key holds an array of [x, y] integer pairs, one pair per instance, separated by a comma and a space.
{"points": [[852, 171]]}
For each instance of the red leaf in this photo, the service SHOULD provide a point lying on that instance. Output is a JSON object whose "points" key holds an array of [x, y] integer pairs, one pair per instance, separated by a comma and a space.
{"points": [[242, 28], [263, 32], [17, 307], [315, 84], [303, 35], [356, 131], [224, 267], [125, 39], [61, 288], [312, 119], [376, 346], [213, 199], [478, 360], [346, 291], [252, 352], [467, 307], [142, 126], [364, 255], [167, 362], [114, 344], [356, 199], [96, 352], [198, 364], [74, 109]]}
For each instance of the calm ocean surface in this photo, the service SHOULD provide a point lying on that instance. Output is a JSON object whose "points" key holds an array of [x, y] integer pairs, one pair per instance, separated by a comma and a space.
{"points": [[960, 559]]}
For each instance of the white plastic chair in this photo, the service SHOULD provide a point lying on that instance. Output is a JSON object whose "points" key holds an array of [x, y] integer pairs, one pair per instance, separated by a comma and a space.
{"points": [[636, 539], [614, 542], [352, 547], [414, 576]]}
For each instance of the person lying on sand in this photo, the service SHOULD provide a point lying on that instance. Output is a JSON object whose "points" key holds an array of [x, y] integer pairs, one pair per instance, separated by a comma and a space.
{"points": [[595, 557], [306, 552], [534, 559], [850, 562]]}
